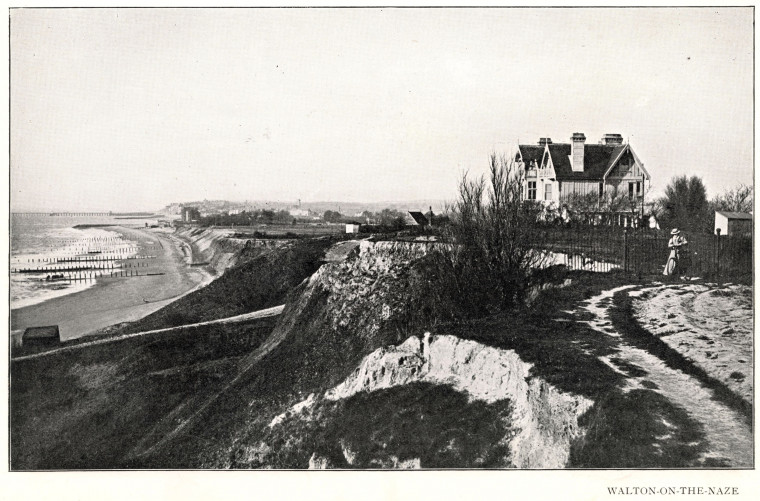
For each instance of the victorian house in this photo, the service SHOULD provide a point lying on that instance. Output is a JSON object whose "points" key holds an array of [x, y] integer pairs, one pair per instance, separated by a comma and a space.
{"points": [[561, 174]]}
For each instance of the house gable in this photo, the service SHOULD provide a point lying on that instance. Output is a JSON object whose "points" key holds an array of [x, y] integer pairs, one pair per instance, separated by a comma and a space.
{"points": [[625, 165], [529, 155], [599, 162]]}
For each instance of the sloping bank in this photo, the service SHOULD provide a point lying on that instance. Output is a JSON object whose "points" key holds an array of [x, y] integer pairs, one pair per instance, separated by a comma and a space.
{"points": [[260, 274], [88, 408], [538, 430], [341, 383], [216, 248]]}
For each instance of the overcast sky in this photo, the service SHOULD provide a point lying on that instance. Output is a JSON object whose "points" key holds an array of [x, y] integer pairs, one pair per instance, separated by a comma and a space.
{"points": [[133, 109]]}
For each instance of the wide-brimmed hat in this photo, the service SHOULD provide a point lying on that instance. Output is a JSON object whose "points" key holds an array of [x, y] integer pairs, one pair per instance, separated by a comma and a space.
{"points": [[675, 231]]}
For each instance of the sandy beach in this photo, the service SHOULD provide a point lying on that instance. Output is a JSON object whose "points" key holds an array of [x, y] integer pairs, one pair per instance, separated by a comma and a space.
{"points": [[121, 299]]}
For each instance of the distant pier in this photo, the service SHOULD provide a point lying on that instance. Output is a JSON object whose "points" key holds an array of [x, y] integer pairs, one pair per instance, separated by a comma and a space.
{"points": [[86, 214], [80, 214]]}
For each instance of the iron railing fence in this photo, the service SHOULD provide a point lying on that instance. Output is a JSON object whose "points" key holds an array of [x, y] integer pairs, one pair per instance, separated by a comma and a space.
{"points": [[643, 251]]}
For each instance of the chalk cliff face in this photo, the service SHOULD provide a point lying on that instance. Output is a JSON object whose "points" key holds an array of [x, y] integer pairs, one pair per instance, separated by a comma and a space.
{"points": [[544, 420], [369, 286], [359, 294], [221, 251]]}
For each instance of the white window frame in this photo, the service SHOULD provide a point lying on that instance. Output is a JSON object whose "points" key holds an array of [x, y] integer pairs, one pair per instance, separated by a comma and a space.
{"points": [[531, 190]]}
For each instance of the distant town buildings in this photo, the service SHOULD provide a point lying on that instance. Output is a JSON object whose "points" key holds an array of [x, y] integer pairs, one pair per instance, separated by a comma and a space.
{"points": [[190, 214], [298, 212]]}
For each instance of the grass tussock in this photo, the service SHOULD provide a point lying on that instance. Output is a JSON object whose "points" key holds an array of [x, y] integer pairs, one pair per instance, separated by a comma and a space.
{"points": [[433, 424]]}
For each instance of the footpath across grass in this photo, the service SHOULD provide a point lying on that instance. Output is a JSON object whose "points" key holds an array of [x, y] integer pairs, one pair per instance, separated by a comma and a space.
{"points": [[625, 322], [623, 429]]}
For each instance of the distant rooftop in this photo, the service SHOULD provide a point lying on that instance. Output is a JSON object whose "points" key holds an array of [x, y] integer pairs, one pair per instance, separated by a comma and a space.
{"points": [[734, 215]]}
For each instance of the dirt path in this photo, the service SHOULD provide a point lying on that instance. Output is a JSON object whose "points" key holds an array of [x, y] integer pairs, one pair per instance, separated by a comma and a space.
{"points": [[728, 437], [268, 312]]}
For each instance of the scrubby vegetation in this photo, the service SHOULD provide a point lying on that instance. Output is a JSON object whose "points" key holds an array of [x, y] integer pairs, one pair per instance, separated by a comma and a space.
{"points": [[489, 259], [494, 253], [264, 279], [432, 424]]}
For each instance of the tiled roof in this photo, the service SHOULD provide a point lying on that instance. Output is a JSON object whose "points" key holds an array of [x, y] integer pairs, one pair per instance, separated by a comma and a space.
{"points": [[418, 218], [531, 152], [597, 158], [734, 215]]}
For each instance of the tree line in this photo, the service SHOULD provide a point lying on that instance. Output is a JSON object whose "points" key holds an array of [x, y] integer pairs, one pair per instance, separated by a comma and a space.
{"points": [[386, 218], [685, 204]]}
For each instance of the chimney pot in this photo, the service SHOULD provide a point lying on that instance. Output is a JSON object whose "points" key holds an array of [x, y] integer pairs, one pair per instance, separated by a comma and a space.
{"points": [[612, 139], [544, 141], [577, 151]]}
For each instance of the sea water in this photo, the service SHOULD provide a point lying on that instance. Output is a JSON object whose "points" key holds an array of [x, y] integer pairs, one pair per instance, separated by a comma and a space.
{"points": [[51, 243]]}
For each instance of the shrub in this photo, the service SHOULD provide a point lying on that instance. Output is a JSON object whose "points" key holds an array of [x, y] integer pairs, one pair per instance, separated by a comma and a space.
{"points": [[493, 253]]}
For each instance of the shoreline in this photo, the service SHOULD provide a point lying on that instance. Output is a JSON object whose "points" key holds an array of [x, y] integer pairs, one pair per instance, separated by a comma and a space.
{"points": [[114, 300]]}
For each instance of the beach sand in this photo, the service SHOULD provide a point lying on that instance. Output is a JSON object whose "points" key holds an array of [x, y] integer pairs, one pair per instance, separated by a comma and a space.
{"points": [[121, 299]]}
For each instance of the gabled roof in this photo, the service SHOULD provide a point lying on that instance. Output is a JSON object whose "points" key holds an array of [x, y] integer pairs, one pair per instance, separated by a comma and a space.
{"points": [[419, 218], [530, 152], [598, 159], [734, 215]]}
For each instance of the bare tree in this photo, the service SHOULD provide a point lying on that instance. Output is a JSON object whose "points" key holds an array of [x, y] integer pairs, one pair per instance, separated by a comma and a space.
{"points": [[739, 199], [586, 206], [494, 251]]}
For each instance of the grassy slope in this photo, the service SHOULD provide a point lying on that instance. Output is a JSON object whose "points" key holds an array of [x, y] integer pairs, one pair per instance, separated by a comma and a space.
{"points": [[623, 428], [263, 279], [86, 409], [433, 423], [315, 357]]}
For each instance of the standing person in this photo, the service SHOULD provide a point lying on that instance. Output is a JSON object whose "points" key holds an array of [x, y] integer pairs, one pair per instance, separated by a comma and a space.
{"points": [[674, 244]]}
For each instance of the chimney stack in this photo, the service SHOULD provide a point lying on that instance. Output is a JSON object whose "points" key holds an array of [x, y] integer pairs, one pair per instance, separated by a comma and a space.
{"points": [[612, 140], [577, 150], [544, 141]]}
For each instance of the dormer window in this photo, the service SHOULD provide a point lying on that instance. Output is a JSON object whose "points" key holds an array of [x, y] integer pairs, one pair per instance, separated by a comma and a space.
{"points": [[532, 171]]}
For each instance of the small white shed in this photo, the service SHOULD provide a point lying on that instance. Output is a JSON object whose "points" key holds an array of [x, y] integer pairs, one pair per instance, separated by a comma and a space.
{"points": [[733, 223], [352, 227]]}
